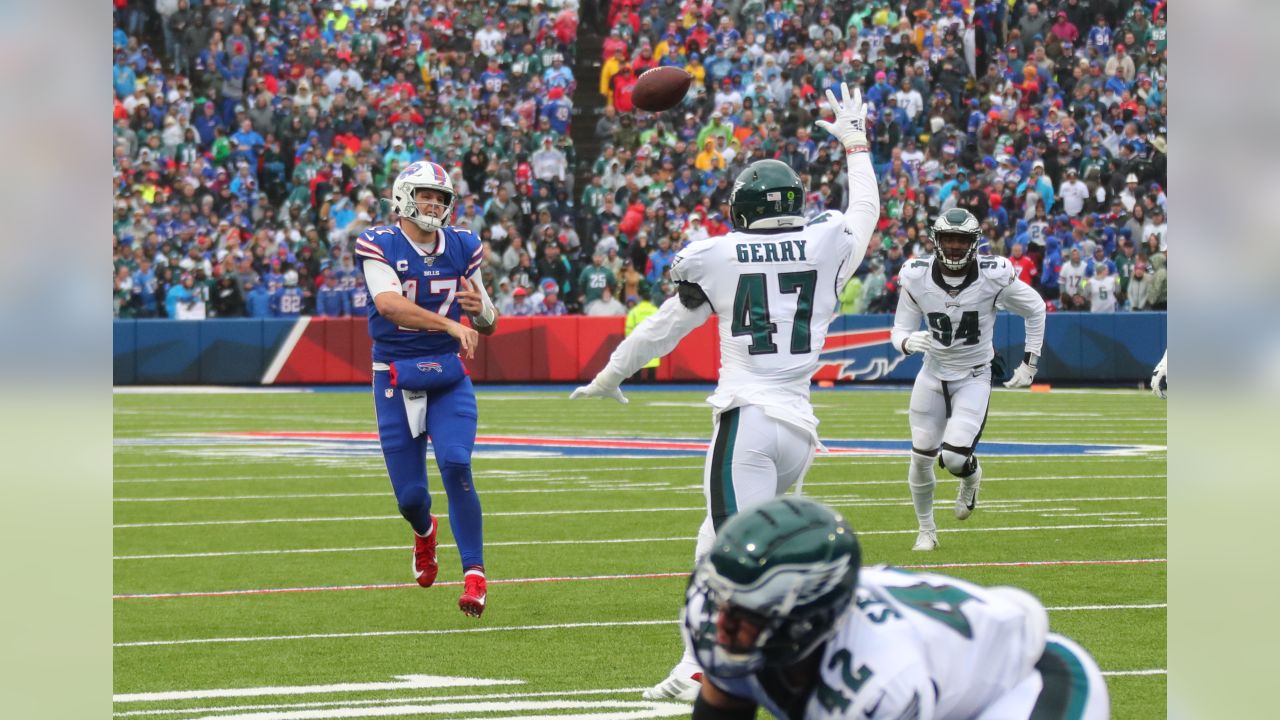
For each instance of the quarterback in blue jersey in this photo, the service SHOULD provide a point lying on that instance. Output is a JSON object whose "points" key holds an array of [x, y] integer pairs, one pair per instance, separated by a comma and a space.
{"points": [[422, 274]]}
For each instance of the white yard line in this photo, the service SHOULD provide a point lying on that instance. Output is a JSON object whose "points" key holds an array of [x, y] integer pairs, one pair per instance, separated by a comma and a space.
{"points": [[490, 629], [602, 486], [382, 701]]}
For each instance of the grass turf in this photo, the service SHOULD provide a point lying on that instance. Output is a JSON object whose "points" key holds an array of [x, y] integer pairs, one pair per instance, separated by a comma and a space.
{"points": [[544, 520]]}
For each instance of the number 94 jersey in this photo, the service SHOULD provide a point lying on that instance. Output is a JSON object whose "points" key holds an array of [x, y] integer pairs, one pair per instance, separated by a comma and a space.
{"points": [[960, 316]]}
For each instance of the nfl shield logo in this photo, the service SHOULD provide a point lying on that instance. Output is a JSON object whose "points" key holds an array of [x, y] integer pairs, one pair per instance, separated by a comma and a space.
{"points": [[390, 392]]}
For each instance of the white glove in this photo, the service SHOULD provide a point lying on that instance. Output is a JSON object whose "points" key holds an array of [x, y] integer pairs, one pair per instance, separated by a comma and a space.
{"points": [[1025, 373], [850, 127], [1160, 379], [917, 341], [599, 390]]}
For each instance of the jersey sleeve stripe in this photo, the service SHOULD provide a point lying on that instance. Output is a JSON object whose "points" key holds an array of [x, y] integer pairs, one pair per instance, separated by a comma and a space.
{"points": [[371, 256], [368, 247]]}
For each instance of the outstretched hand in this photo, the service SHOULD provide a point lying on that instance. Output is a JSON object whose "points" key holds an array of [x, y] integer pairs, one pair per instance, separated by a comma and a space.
{"points": [[850, 126], [598, 390]]}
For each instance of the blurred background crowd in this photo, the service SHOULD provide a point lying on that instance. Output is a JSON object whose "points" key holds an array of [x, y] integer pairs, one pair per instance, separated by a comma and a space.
{"points": [[254, 140]]}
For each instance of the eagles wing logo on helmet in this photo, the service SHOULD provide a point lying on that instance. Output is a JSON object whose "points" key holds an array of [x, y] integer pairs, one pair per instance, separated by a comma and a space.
{"points": [[789, 568]]}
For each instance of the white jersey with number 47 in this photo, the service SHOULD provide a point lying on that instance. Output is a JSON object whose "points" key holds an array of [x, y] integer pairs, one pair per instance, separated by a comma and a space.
{"points": [[961, 315], [774, 293]]}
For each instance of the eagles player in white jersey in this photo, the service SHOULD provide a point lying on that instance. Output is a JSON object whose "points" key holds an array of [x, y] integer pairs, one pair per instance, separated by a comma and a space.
{"points": [[956, 293], [783, 616], [774, 285]]}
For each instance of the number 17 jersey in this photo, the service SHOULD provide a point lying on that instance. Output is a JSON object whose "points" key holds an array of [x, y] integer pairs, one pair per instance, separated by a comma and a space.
{"points": [[429, 279]]}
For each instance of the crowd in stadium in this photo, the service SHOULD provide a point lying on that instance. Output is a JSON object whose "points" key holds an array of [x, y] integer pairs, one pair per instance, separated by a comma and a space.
{"points": [[253, 141]]}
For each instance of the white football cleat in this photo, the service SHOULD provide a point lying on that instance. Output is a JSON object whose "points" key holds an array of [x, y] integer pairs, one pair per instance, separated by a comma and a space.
{"points": [[926, 540], [679, 685], [966, 501]]}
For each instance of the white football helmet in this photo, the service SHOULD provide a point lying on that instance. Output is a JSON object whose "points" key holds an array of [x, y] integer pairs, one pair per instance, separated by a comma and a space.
{"points": [[422, 175], [290, 278]]}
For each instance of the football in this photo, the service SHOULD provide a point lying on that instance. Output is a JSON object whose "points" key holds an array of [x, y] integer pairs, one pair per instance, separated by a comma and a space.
{"points": [[661, 88]]}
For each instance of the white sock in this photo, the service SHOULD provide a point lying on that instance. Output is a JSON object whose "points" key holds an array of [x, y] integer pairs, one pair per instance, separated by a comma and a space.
{"points": [[921, 479]]}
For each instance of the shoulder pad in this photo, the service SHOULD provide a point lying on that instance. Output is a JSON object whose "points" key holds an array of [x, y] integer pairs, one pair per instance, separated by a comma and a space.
{"points": [[685, 264], [997, 268], [915, 269], [825, 217]]}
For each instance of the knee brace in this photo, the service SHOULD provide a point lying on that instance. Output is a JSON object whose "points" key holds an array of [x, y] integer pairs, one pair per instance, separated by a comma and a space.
{"points": [[958, 461]]}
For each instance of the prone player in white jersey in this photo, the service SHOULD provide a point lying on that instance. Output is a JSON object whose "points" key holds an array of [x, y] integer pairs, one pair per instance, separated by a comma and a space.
{"points": [[956, 293], [784, 617], [774, 284]]}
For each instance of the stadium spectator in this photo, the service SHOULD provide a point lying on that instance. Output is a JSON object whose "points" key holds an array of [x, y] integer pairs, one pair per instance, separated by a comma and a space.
{"points": [[325, 106]]}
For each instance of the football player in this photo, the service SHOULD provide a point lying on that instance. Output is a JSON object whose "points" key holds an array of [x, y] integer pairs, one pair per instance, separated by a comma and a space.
{"points": [[1160, 378], [956, 292], [422, 274], [783, 616], [774, 285]]}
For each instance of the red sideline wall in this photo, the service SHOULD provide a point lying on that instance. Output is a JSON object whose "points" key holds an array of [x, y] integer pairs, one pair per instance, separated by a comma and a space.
{"points": [[524, 349]]}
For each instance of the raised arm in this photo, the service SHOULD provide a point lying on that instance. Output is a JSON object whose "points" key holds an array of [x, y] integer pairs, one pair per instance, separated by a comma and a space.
{"points": [[850, 128]]}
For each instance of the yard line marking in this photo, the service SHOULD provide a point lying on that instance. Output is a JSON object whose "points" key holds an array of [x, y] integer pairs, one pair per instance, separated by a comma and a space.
{"points": [[382, 701], [550, 476], [402, 682], [844, 501], [586, 578], [525, 709], [1059, 513], [397, 548], [1132, 673], [460, 631], [398, 633], [1078, 608], [596, 486]]}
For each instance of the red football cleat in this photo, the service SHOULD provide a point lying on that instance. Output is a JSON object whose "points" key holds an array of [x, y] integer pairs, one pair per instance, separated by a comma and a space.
{"points": [[473, 592], [425, 567]]}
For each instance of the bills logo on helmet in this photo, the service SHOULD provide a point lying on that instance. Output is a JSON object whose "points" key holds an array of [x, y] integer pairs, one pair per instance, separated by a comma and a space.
{"points": [[415, 167], [430, 367]]}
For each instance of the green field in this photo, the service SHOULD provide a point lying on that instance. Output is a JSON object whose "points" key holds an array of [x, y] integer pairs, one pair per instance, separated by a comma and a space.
{"points": [[586, 555]]}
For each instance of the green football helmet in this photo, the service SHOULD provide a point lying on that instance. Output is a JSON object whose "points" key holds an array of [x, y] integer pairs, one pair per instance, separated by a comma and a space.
{"points": [[774, 587], [767, 195], [957, 223]]}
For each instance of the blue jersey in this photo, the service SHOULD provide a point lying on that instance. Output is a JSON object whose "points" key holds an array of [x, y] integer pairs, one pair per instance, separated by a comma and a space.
{"points": [[358, 300], [332, 302], [287, 302], [429, 280]]}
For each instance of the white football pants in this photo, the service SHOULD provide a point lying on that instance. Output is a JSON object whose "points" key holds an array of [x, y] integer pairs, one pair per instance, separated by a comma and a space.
{"points": [[752, 459], [949, 412]]}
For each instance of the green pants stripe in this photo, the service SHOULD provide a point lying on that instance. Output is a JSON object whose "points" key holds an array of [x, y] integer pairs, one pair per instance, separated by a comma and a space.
{"points": [[724, 502], [1066, 686]]}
